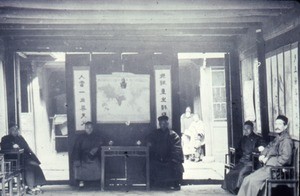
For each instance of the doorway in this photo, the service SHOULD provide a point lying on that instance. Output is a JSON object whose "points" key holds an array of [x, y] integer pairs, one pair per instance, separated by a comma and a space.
{"points": [[42, 109], [203, 88]]}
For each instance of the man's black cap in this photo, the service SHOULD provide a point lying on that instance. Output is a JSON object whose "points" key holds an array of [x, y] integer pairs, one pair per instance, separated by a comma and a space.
{"points": [[248, 122], [163, 118]]}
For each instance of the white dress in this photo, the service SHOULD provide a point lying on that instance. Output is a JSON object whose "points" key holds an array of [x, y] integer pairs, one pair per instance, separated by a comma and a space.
{"points": [[185, 123]]}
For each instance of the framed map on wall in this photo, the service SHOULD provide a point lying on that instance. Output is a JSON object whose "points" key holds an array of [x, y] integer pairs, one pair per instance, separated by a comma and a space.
{"points": [[123, 98]]}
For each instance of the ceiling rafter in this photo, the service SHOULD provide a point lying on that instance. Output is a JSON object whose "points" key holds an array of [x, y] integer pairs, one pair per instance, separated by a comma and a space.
{"points": [[250, 19], [154, 32], [147, 4], [128, 26], [134, 15]]}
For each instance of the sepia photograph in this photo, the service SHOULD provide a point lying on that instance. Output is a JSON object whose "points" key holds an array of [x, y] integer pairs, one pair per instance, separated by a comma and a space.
{"points": [[149, 97]]}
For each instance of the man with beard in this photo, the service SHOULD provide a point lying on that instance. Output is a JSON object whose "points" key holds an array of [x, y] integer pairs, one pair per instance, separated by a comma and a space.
{"points": [[277, 153]]}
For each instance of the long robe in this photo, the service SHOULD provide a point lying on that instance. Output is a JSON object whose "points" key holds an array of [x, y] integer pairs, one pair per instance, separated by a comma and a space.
{"points": [[234, 178], [279, 153], [185, 123], [33, 173], [89, 165], [166, 158], [197, 138]]}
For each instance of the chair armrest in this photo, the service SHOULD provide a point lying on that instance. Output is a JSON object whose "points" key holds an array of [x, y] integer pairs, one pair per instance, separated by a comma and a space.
{"points": [[282, 167], [255, 156], [282, 173], [226, 158], [231, 149]]}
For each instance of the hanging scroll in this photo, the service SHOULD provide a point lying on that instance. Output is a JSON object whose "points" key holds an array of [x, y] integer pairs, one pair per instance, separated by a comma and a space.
{"points": [[163, 92], [82, 98]]}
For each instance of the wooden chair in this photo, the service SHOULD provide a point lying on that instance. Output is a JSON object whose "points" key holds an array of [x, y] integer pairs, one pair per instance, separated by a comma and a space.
{"points": [[5, 176], [16, 161], [286, 175], [230, 160]]}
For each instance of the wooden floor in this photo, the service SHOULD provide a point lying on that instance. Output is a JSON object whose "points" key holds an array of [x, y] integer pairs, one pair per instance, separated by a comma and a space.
{"points": [[61, 190]]}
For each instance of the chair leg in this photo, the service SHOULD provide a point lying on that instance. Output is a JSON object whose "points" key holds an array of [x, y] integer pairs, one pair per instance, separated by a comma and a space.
{"points": [[3, 187], [268, 189], [19, 184], [11, 187]]}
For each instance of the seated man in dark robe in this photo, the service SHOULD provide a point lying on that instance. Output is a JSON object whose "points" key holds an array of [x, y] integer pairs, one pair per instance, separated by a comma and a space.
{"points": [[86, 155], [277, 153], [249, 143], [166, 157], [34, 176]]}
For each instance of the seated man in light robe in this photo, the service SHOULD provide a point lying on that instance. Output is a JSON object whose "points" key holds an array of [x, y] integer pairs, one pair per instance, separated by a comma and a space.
{"points": [[86, 155]]}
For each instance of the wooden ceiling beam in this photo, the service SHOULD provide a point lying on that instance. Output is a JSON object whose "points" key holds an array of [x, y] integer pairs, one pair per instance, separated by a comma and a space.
{"points": [[250, 19], [63, 45], [134, 15], [127, 38], [155, 32], [147, 4], [114, 27]]}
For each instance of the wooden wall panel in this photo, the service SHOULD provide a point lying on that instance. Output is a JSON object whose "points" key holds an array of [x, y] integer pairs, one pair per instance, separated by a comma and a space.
{"points": [[270, 92], [283, 69], [275, 85], [281, 79], [295, 86], [288, 81], [246, 73]]}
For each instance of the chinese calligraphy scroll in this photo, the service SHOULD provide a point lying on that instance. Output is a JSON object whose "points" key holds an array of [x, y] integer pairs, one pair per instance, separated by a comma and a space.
{"points": [[82, 98], [163, 92]]}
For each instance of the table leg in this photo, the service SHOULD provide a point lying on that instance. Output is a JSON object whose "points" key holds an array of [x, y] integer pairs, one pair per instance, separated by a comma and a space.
{"points": [[102, 170], [147, 172], [125, 167]]}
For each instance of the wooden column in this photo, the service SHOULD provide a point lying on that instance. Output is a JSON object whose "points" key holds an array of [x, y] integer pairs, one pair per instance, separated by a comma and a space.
{"points": [[71, 61], [228, 100], [9, 70], [260, 46], [233, 93]]}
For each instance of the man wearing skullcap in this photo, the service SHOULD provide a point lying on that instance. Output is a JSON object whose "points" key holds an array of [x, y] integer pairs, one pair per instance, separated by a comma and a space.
{"points": [[277, 153], [33, 174], [166, 157], [86, 155], [249, 143]]}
